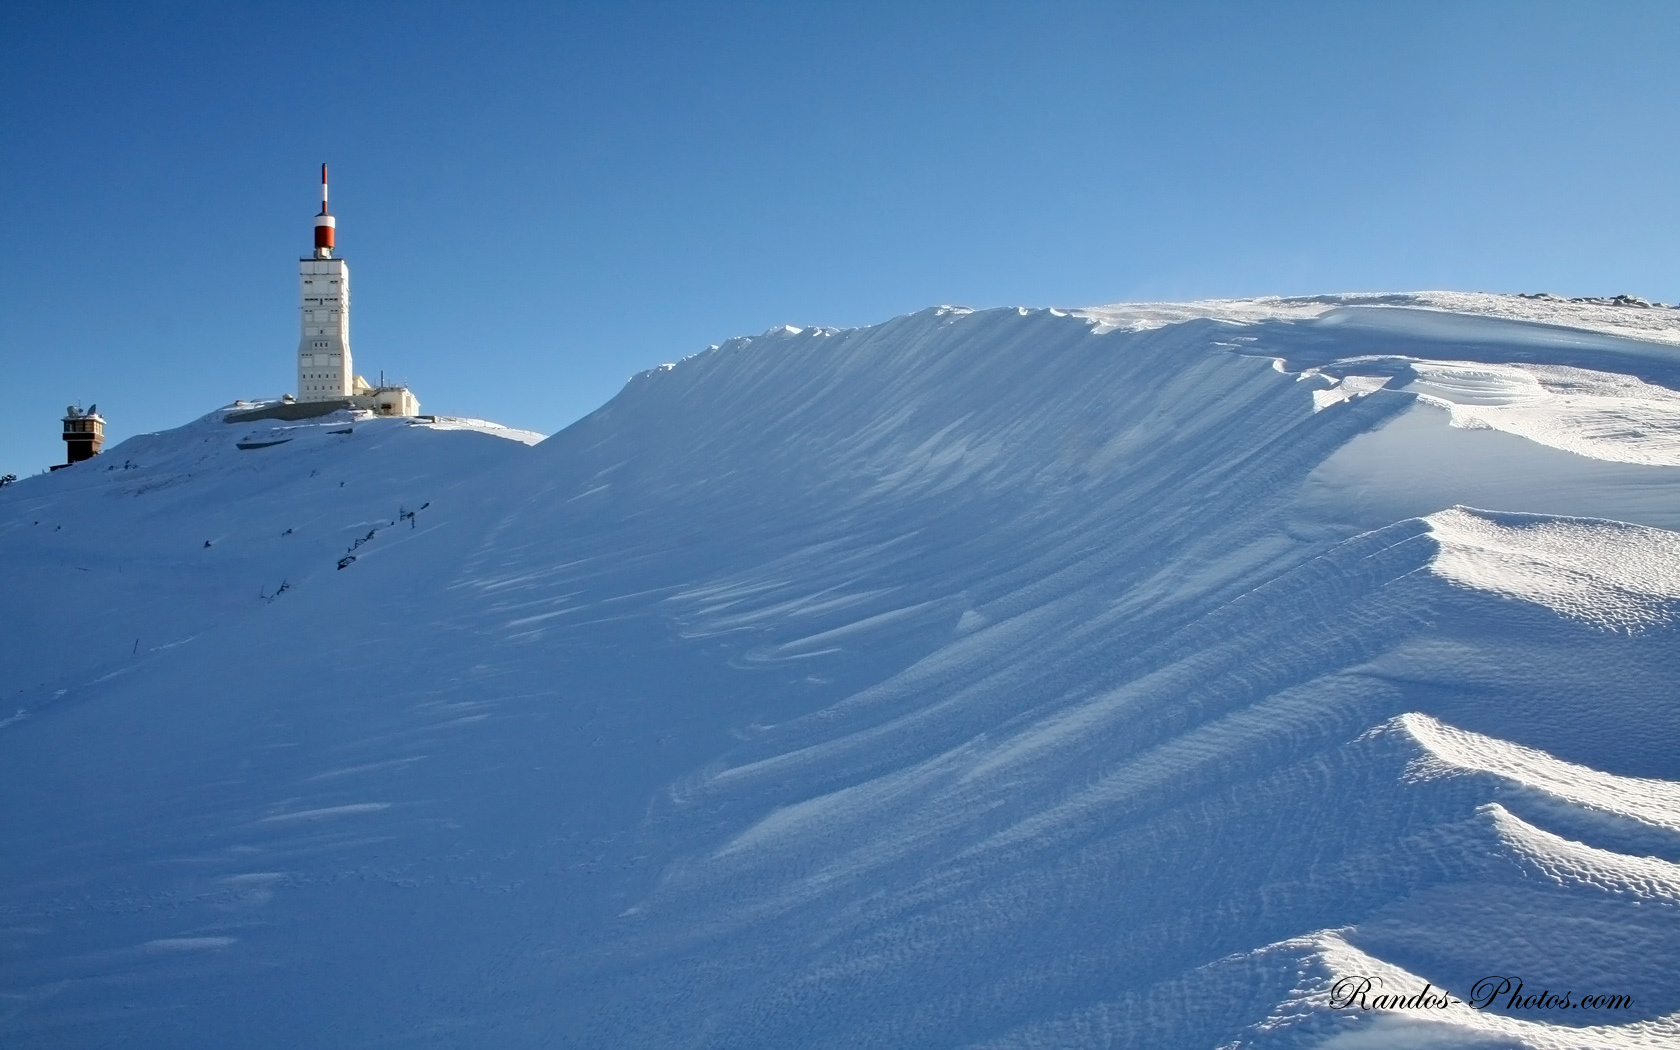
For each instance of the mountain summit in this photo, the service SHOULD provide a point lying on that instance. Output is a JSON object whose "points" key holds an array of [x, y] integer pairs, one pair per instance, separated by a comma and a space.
{"points": [[1122, 677]]}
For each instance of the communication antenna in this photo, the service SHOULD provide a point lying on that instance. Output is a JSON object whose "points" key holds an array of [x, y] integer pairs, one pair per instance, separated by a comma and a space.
{"points": [[324, 223]]}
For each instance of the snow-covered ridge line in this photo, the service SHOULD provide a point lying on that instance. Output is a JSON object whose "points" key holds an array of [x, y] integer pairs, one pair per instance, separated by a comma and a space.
{"points": [[1654, 322]]}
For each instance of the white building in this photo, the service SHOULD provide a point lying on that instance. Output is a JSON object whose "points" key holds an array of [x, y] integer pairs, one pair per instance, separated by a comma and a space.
{"points": [[325, 369]]}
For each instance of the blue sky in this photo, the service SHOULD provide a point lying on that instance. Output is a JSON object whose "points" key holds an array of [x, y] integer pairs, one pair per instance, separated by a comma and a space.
{"points": [[538, 200]]}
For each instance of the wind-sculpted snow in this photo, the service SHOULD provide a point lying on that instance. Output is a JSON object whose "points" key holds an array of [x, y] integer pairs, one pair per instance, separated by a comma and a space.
{"points": [[1605, 572], [1131, 677]]}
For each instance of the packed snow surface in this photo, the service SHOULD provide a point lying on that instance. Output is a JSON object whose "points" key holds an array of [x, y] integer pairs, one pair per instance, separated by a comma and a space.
{"points": [[1121, 677]]}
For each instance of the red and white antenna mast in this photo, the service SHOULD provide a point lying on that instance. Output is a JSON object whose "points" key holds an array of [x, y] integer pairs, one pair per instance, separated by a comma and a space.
{"points": [[324, 223]]}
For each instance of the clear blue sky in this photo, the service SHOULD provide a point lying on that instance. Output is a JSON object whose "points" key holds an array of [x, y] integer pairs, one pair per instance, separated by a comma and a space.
{"points": [[538, 200]]}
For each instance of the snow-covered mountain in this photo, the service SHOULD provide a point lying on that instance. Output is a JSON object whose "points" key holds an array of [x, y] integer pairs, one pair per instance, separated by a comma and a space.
{"points": [[1121, 677]]}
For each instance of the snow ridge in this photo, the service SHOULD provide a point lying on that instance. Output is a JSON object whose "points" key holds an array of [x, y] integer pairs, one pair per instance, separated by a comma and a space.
{"points": [[1109, 678]]}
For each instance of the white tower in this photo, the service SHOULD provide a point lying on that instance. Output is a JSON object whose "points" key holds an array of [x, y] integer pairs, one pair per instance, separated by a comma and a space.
{"points": [[324, 369]]}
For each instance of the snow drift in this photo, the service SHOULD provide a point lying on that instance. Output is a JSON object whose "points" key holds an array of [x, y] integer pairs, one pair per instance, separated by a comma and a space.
{"points": [[1115, 678]]}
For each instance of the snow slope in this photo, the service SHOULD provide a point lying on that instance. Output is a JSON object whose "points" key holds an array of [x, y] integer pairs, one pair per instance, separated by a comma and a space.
{"points": [[1106, 678]]}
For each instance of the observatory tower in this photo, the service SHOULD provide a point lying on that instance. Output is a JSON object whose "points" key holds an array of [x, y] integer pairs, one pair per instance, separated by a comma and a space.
{"points": [[324, 368], [84, 434]]}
